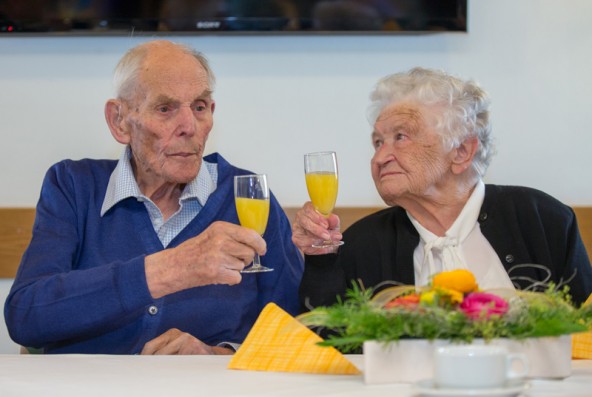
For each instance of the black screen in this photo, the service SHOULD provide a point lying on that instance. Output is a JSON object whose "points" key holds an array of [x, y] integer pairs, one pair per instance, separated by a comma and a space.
{"points": [[125, 17]]}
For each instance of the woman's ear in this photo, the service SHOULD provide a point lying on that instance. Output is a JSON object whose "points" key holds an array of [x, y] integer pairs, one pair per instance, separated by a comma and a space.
{"points": [[114, 112], [464, 154]]}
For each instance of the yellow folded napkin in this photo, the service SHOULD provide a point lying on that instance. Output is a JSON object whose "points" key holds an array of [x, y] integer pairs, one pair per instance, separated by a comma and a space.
{"points": [[581, 343], [279, 342]]}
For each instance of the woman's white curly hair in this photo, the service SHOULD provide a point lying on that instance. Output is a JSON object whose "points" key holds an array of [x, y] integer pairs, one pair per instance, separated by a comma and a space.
{"points": [[465, 104]]}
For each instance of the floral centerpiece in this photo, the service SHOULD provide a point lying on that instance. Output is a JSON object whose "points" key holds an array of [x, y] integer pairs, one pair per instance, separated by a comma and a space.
{"points": [[451, 309]]}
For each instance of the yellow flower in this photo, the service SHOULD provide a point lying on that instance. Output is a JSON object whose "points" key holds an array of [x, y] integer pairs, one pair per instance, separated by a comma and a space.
{"points": [[460, 280], [441, 296], [450, 295], [428, 297]]}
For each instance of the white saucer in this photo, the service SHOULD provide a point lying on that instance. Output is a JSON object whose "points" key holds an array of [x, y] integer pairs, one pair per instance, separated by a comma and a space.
{"points": [[427, 388]]}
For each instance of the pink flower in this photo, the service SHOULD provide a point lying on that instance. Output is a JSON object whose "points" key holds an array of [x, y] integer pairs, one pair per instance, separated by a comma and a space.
{"points": [[483, 304]]}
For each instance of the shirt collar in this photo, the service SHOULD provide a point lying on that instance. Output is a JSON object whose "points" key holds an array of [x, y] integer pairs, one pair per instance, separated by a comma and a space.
{"points": [[122, 184], [445, 253]]}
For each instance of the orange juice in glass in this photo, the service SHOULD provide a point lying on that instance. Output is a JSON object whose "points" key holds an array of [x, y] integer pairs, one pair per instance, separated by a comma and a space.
{"points": [[252, 213], [251, 198], [320, 171], [322, 189]]}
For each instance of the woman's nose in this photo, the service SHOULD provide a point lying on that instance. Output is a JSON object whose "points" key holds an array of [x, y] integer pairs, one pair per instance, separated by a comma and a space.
{"points": [[383, 155]]}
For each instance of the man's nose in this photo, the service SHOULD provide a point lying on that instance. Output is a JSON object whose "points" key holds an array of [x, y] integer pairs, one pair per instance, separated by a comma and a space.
{"points": [[186, 121]]}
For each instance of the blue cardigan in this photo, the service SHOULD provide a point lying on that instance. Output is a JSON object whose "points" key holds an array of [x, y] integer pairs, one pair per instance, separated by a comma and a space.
{"points": [[81, 286]]}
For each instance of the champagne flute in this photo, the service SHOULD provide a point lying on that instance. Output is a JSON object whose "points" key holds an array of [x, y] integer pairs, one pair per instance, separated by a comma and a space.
{"points": [[251, 197], [320, 170]]}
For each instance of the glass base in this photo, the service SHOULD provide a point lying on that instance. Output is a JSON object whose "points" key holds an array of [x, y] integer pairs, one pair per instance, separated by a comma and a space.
{"points": [[256, 269], [327, 244]]}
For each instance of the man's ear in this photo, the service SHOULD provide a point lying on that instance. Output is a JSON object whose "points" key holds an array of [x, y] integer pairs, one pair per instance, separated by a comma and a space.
{"points": [[114, 109], [464, 154]]}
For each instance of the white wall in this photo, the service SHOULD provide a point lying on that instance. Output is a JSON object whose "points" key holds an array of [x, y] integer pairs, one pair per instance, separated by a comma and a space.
{"points": [[281, 96], [6, 344]]}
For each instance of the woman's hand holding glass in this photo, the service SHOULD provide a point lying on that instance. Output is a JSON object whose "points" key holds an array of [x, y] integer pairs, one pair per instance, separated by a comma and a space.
{"points": [[320, 170], [315, 229], [309, 227]]}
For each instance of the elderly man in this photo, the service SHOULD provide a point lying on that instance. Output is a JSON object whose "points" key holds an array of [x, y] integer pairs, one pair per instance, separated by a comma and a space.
{"points": [[432, 141], [143, 255]]}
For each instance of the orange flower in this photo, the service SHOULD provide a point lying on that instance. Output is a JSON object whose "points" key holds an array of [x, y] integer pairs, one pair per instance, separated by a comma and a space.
{"points": [[460, 280], [410, 300]]}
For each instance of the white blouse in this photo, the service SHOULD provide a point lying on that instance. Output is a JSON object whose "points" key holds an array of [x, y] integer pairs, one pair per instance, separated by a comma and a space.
{"points": [[462, 247]]}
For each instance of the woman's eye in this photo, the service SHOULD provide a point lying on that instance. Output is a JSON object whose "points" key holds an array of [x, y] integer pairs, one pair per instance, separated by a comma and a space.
{"points": [[399, 137], [163, 109], [377, 143], [200, 108]]}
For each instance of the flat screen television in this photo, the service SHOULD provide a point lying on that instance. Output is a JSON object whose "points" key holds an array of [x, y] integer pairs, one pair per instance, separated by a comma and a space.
{"points": [[147, 17]]}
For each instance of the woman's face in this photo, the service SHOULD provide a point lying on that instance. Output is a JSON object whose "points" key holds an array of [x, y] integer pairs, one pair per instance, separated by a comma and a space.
{"points": [[410, 161]]}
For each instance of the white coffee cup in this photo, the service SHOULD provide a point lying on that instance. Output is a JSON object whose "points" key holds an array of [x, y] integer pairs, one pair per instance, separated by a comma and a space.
{"points": [[477, 367]]}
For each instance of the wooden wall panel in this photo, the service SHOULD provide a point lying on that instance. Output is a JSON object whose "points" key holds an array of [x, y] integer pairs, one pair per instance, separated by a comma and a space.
{"points": [[584, 215], [16, 226]]}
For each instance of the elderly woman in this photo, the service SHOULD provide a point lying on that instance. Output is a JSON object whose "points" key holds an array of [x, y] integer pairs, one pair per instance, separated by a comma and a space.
{"points": [[433, 144]]}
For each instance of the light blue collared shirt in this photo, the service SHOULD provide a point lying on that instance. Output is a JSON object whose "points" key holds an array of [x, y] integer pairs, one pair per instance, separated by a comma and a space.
{"points": [[122, 185]]}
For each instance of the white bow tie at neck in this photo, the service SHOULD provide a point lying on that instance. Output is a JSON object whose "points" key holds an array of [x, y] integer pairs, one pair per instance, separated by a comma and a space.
{"points": [[448, 250]]}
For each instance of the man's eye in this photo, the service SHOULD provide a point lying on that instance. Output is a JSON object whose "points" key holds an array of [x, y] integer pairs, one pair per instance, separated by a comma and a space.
{"points": [[376, 143], [163, 109], [400, 137], [200, 106]]}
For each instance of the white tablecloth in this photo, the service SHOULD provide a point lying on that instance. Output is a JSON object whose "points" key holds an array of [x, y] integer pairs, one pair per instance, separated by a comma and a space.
{"points": [[207, 376]]}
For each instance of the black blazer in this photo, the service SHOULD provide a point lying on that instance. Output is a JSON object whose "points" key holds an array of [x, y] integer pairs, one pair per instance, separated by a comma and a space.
{"points": [[523, 225]]}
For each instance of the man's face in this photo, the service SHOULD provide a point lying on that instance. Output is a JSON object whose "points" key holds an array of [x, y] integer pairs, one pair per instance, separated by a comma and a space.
{"points": [[169, 119], [410, 161]]}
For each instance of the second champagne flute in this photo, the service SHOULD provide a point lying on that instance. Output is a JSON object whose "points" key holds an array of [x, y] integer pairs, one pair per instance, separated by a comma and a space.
{"points": [[320, 170], [251, 197]]}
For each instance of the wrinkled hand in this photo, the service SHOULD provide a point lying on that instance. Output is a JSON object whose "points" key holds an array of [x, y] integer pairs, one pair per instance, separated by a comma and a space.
{"points": [[215, 256], [175, 341], [311, 227]]}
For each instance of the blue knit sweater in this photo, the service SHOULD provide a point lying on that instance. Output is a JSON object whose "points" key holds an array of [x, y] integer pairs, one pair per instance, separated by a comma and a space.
{"points": [[81, 286]]}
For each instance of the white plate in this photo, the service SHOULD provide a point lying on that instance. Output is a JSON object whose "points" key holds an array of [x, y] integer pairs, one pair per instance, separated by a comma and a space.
{"points": [[427, 388]]}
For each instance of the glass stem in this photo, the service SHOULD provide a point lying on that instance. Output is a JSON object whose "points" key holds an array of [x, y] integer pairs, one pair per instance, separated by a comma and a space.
{"points": [[256, 261]]}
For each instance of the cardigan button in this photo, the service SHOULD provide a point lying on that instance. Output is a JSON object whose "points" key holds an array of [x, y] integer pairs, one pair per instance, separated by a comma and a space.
{"points": [[510, 258], [153, 310], [482, 216]]}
